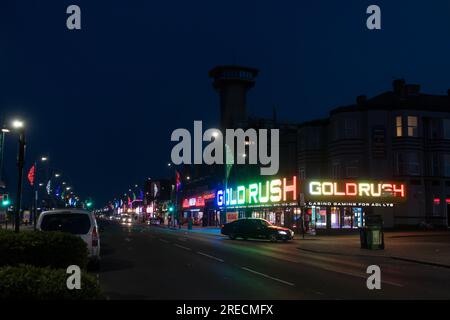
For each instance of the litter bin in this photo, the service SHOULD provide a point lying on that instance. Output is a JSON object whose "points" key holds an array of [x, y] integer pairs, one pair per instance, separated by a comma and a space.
{"points": [[372, 235]]}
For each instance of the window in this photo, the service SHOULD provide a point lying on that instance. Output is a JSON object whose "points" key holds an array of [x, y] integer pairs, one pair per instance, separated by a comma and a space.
{"points": [[408, 164], [446, 125], [412, 126], [434, 164], [302, 174], [352, 172], [398, 125], [350, 128], [75, 223], [336, 170], [447, 165]]}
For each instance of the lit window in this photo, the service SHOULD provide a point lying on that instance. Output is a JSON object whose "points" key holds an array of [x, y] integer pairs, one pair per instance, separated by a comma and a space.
{"points": [[412, 126], [398, 125]]}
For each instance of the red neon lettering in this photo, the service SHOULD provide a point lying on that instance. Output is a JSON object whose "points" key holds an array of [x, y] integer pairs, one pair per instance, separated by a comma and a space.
{"points": [[292, 188], [348, 187], [400, 189]]}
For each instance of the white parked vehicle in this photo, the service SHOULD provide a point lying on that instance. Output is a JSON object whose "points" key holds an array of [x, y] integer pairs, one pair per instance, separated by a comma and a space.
{"points": [[77, 222]]}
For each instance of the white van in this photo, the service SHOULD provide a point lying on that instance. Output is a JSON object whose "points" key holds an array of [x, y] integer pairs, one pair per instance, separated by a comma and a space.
{"points": [[77, 222]]}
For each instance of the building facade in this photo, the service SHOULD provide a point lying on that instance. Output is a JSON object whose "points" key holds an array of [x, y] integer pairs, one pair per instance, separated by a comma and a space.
{"points": [[401, 136]]}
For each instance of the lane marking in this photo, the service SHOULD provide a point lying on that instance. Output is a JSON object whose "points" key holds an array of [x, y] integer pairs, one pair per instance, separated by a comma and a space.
{"points": [[208, 256], [268, 277], [163, 240], [182, 247], [362, 276]]}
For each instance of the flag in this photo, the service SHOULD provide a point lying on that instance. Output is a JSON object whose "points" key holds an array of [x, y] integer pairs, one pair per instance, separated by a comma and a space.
{"points": [[177, 179], [31, 175], [49, 187]]}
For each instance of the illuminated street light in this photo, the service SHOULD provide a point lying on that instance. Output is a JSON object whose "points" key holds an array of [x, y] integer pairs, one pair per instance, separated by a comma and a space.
{"points": [[57, 175], [17, 124], [68, 188], [43, 159], [6, 130]]}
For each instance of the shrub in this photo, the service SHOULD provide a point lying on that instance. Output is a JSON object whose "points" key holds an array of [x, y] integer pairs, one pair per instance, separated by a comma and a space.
{"points": [[27, 282], [42, 249]]}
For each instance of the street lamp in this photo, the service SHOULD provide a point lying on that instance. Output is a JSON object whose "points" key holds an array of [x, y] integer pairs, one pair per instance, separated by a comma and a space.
{"points": [[36, 190], [19, 126]]}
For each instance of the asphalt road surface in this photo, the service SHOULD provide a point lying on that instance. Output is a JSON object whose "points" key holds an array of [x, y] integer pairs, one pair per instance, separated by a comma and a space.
{"points": [[148, 262]]}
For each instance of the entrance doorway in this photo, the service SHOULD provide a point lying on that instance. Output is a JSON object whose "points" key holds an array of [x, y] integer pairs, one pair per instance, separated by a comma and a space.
{"points": [[448, 215]]}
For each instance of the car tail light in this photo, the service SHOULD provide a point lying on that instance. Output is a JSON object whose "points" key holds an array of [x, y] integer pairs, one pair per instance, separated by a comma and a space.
{"points": [[94, 237]]}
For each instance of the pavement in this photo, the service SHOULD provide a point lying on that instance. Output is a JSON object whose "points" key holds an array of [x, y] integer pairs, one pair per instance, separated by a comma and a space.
{"points": [[148, 262], [10, 226]]}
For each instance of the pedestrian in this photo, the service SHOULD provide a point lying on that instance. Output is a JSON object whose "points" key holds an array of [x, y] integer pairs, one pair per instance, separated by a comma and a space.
{"points": [[306, 222]]}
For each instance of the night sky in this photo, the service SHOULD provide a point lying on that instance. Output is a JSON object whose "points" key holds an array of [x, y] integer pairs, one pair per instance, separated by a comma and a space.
{"points": [[103, 101]]}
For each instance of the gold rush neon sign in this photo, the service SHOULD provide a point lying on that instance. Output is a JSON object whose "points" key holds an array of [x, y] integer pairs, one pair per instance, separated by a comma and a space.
{"points": [[268, 192], [356, 189]]}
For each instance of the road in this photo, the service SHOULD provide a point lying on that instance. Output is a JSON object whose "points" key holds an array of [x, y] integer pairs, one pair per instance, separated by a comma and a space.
{"points": [[148, 262]]}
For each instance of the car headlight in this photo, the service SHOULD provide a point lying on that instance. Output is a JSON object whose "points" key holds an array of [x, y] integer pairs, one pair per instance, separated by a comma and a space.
{"points": [[129, 219], [282, 232]]}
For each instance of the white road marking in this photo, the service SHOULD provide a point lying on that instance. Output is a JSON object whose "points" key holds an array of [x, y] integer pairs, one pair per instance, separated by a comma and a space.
{"points": [[127, 239], [182, 247], [211, 257], [268, 277], [363, 277], [163, 240]]}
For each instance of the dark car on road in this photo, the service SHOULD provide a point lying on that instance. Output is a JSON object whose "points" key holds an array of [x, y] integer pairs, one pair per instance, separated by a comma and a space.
{"points": [[256, 229]]}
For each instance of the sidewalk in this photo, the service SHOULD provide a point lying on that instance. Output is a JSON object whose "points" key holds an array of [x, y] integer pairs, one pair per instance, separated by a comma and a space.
{"points": [[22, 227], [426, 247]]}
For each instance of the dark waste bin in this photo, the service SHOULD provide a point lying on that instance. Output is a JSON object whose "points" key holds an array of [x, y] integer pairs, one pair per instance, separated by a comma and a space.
{"points": [[372, 235]]}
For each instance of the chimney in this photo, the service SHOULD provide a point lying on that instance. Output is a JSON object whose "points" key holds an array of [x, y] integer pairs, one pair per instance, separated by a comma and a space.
{"points": [[398, 85], [361, 100]]}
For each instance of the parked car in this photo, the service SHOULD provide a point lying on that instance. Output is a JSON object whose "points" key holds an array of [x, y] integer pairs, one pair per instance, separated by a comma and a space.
{"points": [[257, 229], [77, 222]]}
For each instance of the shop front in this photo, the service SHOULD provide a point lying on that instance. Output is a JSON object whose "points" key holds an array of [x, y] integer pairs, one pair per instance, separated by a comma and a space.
{"points": [[201, 210], [342, 205], [274, 200]]}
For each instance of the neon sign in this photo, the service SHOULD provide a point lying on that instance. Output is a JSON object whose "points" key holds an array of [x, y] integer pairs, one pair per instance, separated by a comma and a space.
{"points": [[356, 189], [268, 192], [198, 201]]}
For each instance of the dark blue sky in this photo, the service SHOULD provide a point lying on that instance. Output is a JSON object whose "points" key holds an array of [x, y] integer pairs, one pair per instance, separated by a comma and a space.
{"points": [[103, 101]]}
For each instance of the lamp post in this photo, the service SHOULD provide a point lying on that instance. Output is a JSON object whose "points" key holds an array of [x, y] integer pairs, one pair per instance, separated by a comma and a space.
{"points": [[19, 126], [36, 190]]}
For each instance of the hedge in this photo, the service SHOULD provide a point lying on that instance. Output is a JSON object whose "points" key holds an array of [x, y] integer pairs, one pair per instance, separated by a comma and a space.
{"points": [[26, 282], [42, 249]]}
